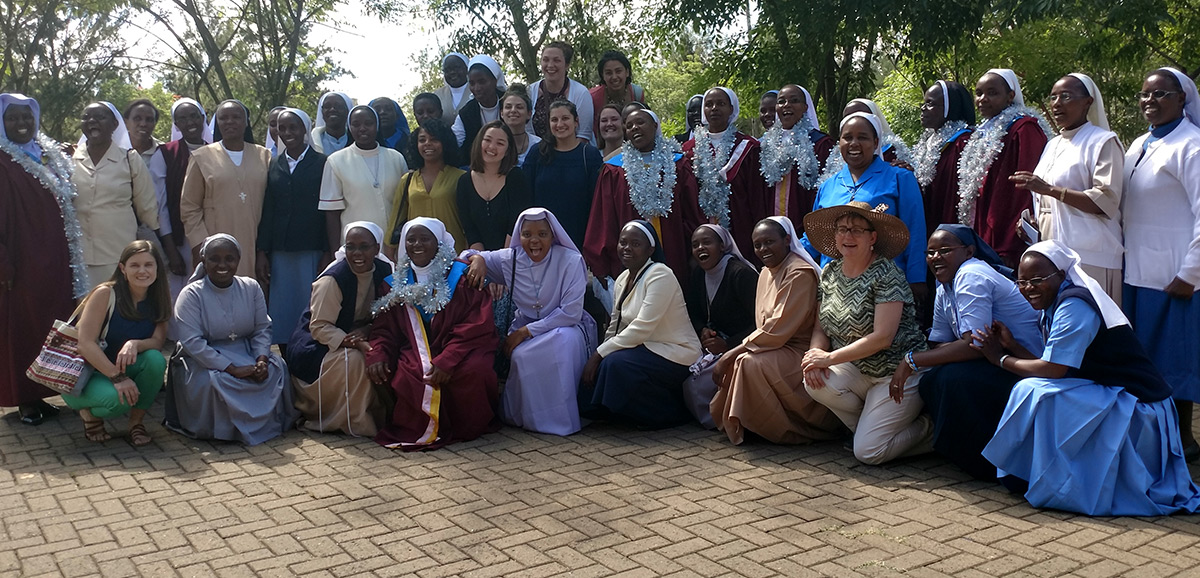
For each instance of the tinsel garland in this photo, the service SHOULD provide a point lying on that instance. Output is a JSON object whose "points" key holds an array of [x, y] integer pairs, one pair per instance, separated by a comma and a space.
{"points": [[55, 175], [835, 162], [708, 158], [981, 151], [783, 148], [928, 151], [431, 296], [651, 180]]}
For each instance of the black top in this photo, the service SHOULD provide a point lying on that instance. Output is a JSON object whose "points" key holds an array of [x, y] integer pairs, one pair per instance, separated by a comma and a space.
{"points": [[566, 185], [488, 222], [732, 309], [290, 218], [473, 121]]}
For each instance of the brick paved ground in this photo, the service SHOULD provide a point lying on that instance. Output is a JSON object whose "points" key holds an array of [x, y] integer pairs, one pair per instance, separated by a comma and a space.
{"points": [[606, 502]]}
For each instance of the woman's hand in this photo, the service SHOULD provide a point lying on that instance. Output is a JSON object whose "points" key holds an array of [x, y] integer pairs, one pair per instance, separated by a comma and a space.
{"points": [[436, 377], [1007, 341], [262, 268], [476, 272], [815, 378], [899, 378], [591, 369], [516, 338], [497, 291], [260, 370], [379, 373], [127, 355], [1180, 289], [988, 342], [816, 359], [713, 342], [240, 371], [722, 375], [357, 339], [127, 391], [1030, 182], [903, 165]]}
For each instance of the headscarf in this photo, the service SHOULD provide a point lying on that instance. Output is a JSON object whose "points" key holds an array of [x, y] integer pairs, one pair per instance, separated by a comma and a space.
{"points": [[120, 137], [351, 113], [538, 214], [882, 126], [493, 67], [875, 122], [729, 250], [658, 125], [983, 251], [31, 148], [445, 239], [321, 104], [648, 230], [811, 108], [733, 100], [794, 245], [307, 122], [200, 272], [247, 134], [376, 232], [1068, 261], [1014, 83], [1096, 114], [402, 130], [206, 135], [460, 56], [957, 103], [1191, 99], [273, 144]]}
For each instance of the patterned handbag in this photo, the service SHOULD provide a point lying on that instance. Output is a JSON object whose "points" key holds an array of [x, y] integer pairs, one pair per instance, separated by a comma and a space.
{"points": [[59, 365]]}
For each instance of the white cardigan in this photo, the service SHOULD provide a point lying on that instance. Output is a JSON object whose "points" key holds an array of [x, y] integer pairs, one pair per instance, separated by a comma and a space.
{"points": [[653, 315], [577, 94], [1161, 209]]}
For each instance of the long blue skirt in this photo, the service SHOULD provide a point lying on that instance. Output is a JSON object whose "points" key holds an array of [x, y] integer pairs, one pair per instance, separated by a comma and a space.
{"points": [[292, 275], [637, 386], [1093, 449], [1169, 329]]}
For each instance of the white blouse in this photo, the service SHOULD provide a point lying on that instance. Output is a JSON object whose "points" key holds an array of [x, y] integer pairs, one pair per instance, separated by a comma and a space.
{"points": [[1162, 209]]}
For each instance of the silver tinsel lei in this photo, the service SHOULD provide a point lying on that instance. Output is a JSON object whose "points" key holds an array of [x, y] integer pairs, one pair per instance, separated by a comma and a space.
{"points": [[55, 175], [981, 151], [835, 162], [708, 158], [784, 148], [651, 179], [928, 151], [431, 296]]}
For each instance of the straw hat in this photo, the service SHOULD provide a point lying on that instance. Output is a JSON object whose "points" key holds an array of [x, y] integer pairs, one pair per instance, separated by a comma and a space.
{"points": [[820, 226]]}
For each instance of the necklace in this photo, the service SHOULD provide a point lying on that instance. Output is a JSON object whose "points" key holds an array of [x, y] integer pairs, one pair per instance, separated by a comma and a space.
{"points": [[374, 171], [537, 284], [651, 177], [238, 171], [982, 150], [226, 307], [781, 149], [431, 296], [928, 150], [709, 157], [835, 162]]}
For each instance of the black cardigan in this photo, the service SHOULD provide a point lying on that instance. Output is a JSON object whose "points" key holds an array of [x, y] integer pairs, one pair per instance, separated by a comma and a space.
{"points": [[290, 218], [732, 311]]}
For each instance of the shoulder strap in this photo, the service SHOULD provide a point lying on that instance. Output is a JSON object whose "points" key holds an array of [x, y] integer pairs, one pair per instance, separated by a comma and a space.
{"points": [[112, 303], [401, 206]]}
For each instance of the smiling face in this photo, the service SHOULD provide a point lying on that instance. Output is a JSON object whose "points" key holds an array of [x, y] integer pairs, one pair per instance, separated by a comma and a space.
{"points": [[633, 248], [766, 110], [429, 147], [292, 133], [140, 270], [854, 237], [945, 254], [1069, 102], [554, 64], [707, 248], [616, 76], [141, 122], [563, 123], [221, 259], [425, 109], [361, 250], [454, 71], [98, 123], [610, 125], [514, 112], [992, 95], [494, 146], [641, 130], [231, 118], [717, 109], [1165, 110], [334, 111], [536, 239], [483, 85], [420, 245], [190, 122], [790, 105], [1039, 280], [857, 143], [933, 110], [363, 128], [771, 243], [19, 124]]}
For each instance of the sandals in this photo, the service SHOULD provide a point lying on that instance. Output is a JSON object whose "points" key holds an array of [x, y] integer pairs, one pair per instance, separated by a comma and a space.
{"points": [[93, 429], [138, 435]]}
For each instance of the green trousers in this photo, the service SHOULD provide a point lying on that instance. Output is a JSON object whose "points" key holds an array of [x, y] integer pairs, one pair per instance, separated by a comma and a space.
{"points": [[100, 396]]}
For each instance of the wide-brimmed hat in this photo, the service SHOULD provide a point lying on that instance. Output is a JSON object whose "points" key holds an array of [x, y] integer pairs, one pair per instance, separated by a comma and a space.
{"points": [[820, 226]]}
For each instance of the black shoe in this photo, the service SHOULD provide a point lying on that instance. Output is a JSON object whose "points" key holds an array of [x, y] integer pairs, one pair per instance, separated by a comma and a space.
{"points": [[37, 412], [1191, 452]]}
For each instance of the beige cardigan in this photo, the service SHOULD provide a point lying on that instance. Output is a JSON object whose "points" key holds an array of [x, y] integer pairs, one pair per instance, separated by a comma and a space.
{"points": [[653, 315]]}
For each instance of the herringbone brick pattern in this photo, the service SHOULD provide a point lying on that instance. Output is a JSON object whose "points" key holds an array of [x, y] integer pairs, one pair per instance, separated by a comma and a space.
{"points": [[606, 502]]}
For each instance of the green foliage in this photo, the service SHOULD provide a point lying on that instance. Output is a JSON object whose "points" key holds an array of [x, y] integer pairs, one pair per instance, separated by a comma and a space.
{"points": [[121, 92], [900, 101]]}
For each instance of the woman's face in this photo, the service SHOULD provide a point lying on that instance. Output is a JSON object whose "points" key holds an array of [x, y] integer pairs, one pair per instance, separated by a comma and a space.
{"points": [[334, 111], [141, 122], [790, 106], [190, 122], [483, 85], [454, 72], [1165, 110], [854, 237], [766, 110], [717, 109], [992, 95], [610, 125], [291, 132], [563, 123], [140, 270], [1069, 102], [857, 143], [494, 145], [273, 123], [19, 124], [429, 147], [1039, 280], [616, 76], [707, 248], [514, 112], [771, 244], [221, 260], [98, 123], [363, 128], [554, 64], [933, 111], [361, 250], [424, 110], [633, 248], [387, 115], [641, 130], [231, 118], [945, 254], [420, 245], [536, 239]]}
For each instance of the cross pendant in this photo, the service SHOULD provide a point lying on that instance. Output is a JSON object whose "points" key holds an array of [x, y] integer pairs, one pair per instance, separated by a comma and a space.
{"points": [[242, 196], [233, 336]]}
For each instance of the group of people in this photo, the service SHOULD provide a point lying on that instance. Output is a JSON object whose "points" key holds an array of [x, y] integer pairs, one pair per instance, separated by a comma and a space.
{"points": [[541, 256]]}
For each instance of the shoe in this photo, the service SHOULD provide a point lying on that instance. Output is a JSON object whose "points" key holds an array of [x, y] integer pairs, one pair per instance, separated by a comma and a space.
{"points": [[1191, 452], [37, 412]]}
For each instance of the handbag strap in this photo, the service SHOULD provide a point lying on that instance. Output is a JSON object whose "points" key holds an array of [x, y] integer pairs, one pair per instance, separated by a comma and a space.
{"points": [[402, 206], [512, 279], [112, 303]]}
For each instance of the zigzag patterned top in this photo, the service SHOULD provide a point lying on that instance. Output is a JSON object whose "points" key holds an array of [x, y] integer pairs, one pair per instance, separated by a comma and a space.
{"points": [[847, 312]]}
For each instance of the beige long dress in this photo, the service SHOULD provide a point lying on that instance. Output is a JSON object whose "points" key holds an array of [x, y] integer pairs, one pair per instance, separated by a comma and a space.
{"points": [[114, 195], [342, 398], [767, 394], [221, 197]]}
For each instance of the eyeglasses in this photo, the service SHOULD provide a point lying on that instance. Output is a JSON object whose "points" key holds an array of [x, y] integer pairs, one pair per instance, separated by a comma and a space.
{"points": [[932, 253], [1036, 281], [360, 248], [856, 231], [1063, 97], [1155, 94], [928, 106]]}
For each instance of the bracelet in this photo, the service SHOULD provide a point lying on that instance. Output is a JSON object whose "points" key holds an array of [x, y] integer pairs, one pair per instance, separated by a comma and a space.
{"points": [[1002, 358], [1062, 195], [119, 377], [908, 358]]}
